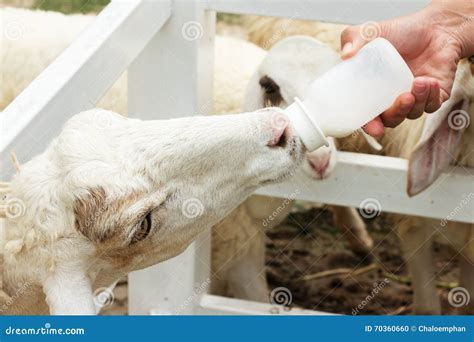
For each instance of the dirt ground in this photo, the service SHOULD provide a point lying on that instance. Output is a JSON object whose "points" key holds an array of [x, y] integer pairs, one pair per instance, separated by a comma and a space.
{"points": [[308, 243], [297, 249]]}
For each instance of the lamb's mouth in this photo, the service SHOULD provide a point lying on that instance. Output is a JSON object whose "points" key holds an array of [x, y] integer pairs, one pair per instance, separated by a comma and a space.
{"points": [[297, 152], [296, 149]]}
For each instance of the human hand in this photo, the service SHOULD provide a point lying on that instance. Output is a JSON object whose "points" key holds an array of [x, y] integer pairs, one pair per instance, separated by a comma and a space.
{"points": [[431, 42]]}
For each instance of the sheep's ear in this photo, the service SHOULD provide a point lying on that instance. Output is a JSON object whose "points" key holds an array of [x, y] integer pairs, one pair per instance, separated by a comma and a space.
{"points": [[89, 210], [271, 92], [437, 147]]}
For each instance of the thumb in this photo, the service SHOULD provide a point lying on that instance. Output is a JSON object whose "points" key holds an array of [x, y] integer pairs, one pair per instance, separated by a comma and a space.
{"points": [[353, 38]]}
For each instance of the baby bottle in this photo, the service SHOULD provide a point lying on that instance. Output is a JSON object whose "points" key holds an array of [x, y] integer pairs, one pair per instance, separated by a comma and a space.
{"points": [[350, 94]]}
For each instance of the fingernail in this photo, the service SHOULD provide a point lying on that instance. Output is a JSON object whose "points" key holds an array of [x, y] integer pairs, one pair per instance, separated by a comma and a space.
{"points": [[347, 48], [420, 88]]}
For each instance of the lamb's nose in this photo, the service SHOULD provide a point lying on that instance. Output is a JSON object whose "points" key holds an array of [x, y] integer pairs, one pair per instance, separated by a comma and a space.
{"points": [[279, 126]]}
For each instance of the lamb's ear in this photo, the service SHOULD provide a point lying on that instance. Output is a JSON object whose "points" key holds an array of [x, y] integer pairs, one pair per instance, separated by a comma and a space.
{"points": [[437, 146], [89, 210], [271, 92]]}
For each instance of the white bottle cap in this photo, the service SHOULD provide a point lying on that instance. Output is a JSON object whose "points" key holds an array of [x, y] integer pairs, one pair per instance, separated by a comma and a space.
{"points": [[306, 127]]}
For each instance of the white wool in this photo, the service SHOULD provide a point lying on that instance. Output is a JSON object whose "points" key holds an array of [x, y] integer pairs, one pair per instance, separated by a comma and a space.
{"points": [[44, 35], [87, 195], [235, 60], [267, 31]]}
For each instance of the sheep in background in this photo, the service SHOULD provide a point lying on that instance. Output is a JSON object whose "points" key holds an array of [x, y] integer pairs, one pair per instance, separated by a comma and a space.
{"points": [[267, 31], [31, 40], [235, 61], [432, 144], [238, 253], [416, 233]]}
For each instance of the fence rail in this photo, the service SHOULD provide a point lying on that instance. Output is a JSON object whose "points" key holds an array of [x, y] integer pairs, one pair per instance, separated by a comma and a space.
{"points": [[364, 180], [78, 78], [336, 11]]}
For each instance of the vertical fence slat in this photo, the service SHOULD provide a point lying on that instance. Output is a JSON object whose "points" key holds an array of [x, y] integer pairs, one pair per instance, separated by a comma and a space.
{"points": [[171, 78], [77, 79]]}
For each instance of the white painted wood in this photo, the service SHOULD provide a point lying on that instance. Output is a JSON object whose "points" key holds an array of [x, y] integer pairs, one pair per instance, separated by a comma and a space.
{"points": [[172, 77], [78, 78], [337, 11], [362, 177], [217, 305]]}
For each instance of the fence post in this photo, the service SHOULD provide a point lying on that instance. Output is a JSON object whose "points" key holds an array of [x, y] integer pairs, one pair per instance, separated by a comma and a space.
{"points": [[173, 77]]}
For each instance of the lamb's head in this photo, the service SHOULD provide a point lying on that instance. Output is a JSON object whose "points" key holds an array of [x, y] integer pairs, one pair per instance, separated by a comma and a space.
{"points": [[285, 73], [448, 134], [119, 194]]}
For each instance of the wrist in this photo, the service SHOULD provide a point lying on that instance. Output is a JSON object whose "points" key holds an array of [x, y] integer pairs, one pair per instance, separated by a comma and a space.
{"points": [[456, 18]]}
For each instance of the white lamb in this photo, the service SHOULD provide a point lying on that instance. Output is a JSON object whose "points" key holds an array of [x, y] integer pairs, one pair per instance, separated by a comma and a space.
{"points": [[442, 139], [238, 263], [235, 61], [267, 31], [426, 164], [100, 203]]}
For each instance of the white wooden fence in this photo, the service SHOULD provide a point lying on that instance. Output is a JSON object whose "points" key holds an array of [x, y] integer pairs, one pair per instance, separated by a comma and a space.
{"points": [[149, 38]]}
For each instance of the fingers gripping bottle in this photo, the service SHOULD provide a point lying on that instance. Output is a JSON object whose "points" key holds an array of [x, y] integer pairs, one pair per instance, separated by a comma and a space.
{"points": [[351, 94]]}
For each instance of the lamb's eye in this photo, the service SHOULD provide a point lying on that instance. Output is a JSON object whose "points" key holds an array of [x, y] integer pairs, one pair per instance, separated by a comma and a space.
{"points": [[144, 230]]}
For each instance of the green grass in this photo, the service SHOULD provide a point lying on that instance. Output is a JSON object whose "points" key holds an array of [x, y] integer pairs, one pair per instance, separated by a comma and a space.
{"points": [[232, 19], [71, 6], [92, 6]]}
